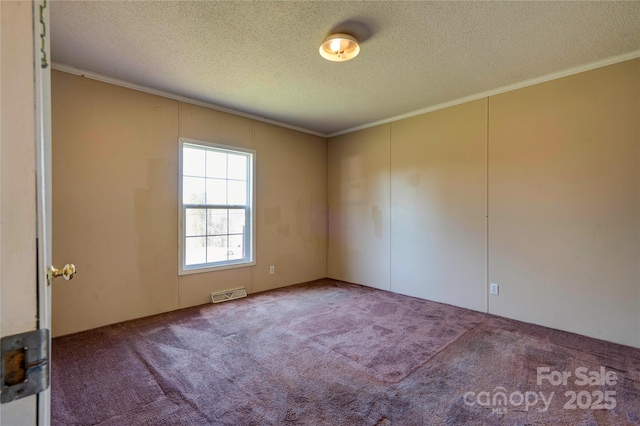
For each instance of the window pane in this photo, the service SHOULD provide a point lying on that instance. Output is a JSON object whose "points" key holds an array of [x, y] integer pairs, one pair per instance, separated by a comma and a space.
{"points": [[237, 167], [217, 223], [216, 165], [216, 191], [195, 250], [193, 162], [195, 222], [236, 247], [214, 179], [237, 192], [236, 221], [193, 190], [216, 249]]}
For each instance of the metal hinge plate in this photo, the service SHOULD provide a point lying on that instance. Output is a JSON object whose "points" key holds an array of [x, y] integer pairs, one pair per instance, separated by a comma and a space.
{"points": [[25, 364]]}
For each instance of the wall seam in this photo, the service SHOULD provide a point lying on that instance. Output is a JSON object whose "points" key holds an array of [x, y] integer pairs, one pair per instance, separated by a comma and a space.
{"points": [[486, 287], [390, 206], [179, 202], [326, 213], [255, 207]]}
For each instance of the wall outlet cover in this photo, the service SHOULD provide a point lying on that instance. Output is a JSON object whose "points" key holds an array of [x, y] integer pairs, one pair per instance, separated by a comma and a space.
{"points": [[494, 289]]}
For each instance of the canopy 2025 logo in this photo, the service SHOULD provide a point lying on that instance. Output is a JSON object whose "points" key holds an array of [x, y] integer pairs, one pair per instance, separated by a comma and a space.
{"points": [[499, 399]]}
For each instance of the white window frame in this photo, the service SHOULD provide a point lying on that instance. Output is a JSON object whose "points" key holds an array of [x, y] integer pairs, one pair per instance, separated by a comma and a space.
{"points": [[250, 240]]}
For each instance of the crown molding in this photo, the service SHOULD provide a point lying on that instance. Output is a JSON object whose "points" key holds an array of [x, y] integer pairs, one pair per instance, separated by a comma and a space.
{"points": [[553, 76], [103, 78]]}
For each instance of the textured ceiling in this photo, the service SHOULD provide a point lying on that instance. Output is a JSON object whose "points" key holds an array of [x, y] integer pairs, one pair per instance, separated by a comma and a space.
{"points": [[262, 57]]}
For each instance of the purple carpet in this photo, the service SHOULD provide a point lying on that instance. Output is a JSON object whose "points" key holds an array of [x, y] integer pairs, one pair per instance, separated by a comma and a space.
{"points": [[331, 353]]}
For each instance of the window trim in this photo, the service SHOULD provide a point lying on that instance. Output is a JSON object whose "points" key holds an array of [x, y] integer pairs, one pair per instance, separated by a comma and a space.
{"points": [[202, 268]]}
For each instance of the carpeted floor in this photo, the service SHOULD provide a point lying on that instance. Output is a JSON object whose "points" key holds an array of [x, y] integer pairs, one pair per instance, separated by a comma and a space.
{"points": [[331, 353]]}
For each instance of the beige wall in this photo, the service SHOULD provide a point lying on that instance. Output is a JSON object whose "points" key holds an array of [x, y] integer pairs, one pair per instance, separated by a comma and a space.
{"points": [[563, 203], [115, 203], [359, 208], [292, 213], [407, 206], [438, 210], [557, 167]]}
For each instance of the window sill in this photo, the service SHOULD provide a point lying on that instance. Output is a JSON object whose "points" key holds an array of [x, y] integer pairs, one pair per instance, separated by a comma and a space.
{"points": [[182, 271]]}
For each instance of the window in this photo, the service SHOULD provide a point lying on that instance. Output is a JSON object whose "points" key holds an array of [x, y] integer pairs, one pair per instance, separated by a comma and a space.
{"points": [[216, 215]]}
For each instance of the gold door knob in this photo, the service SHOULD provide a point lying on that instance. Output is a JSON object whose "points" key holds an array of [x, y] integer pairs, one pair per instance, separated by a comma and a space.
{"points": [[68, 272]]}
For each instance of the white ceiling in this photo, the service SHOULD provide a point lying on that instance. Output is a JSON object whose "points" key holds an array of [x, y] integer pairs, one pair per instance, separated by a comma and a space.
{"points": [[262, 58]]}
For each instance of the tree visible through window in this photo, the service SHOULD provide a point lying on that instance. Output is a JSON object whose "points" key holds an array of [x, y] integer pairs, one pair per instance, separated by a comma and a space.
{"points": [[217, 213]]}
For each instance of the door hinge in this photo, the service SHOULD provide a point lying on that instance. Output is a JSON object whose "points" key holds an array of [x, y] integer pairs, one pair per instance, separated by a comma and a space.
{"points": [[44, 61], [25, 364]]}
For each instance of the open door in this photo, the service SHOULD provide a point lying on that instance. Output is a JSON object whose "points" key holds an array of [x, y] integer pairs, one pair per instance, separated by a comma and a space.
{"points": [[25, 213]]}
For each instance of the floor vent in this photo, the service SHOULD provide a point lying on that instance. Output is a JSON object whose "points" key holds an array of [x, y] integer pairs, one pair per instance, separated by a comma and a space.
{"points": [[223, 296]]}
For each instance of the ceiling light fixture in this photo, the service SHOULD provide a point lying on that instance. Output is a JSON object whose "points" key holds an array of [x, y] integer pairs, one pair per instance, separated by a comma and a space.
{"points": [[339, 47]]}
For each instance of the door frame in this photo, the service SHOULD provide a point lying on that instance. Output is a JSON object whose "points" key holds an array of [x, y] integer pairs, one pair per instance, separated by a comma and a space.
{"points": [[42, 122]]}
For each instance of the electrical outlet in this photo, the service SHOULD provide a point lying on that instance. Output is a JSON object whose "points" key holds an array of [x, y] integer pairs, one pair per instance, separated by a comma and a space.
{"points": [[494, 289], [272, 270]]}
